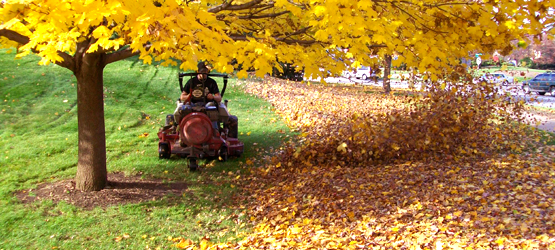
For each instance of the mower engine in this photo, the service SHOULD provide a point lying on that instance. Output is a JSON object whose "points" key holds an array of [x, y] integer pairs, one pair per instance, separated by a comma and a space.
{"points": [[195, 129]]}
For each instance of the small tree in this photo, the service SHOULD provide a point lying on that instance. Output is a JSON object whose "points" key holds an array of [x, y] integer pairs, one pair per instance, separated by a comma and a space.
{"points": [[387, 74], [84, 36]]}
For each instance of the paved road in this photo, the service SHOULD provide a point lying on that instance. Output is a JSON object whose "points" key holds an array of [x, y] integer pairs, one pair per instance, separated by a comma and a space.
{"points": [[541, 122]]}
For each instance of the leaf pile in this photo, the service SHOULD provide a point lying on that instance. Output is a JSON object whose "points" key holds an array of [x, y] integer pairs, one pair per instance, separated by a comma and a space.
{"points": [[499, 202], [347, 126], [325, 193]]}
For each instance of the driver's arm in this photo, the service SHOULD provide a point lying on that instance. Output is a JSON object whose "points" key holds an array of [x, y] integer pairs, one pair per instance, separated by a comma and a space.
{"points": [[184, 96], [216, 97]]}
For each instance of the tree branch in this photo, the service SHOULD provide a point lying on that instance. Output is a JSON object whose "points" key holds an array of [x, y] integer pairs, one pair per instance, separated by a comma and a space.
{"points": [[263, 16], [303, 6], [415, 18], [120, 55], [14, 36], [376, 46], [434, 5], [21, 39], [280, 38], [68, 61], [229, 6], [284, 40], [298, 32]]}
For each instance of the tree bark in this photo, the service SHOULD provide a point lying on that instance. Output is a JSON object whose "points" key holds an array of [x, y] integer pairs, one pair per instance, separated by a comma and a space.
{"points": [[386, 74], [91, 166]]}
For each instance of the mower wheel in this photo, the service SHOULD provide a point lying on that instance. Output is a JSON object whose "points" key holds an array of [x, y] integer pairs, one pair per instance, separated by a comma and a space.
{"points": [[193, 166], [169, 120], [233, 127], [164, 151], [223, 154]]}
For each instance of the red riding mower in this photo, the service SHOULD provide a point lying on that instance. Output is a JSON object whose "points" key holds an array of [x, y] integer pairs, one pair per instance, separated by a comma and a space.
{"points": [[205, 130]]}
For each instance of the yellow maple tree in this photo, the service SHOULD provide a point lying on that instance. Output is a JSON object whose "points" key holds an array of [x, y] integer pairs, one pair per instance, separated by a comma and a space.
{"points": [[86, 35]]}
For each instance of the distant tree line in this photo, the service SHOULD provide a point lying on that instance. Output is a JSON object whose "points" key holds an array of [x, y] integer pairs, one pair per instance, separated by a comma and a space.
{"points": [[537, 53]]}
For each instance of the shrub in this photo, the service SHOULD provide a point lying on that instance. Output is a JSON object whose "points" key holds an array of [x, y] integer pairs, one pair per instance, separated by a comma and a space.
{"points": [[527, 62], [545, 66]]}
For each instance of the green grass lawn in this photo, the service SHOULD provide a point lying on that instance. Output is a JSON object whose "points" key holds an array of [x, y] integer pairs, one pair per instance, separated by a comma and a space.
{"points": [[529, 73], [38, 143]]}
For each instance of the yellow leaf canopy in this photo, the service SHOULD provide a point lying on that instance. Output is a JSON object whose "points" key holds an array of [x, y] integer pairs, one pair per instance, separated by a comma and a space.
{"points": [[313, 34]]}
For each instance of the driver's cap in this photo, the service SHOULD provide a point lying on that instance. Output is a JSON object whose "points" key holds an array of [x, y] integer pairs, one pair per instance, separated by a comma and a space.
{"points": [[202, 67]]}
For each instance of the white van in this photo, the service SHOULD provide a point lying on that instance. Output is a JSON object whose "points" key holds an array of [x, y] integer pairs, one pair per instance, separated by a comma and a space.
{"points": [[364, 73]]}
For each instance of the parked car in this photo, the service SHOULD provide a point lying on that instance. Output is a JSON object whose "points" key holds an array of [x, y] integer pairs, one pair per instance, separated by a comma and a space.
{"points": [[542, 83], [347, 74], [364, 73], [498, 78]]}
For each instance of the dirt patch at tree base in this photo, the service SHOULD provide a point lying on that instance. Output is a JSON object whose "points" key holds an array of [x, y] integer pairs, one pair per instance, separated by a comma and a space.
{"points": [[121, 189]]}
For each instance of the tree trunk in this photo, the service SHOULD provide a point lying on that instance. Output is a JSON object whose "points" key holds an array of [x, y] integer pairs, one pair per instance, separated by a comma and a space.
{"points": [[412, 79], [386, 74], [91, 166]]}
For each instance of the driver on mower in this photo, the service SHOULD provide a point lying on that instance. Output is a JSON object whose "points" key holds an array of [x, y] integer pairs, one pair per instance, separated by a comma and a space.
{"points": [[202, 90], [198, 89], [201, 126]]}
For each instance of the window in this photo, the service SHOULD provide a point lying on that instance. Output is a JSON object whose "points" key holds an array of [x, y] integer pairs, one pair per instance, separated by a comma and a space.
{"points": [[541, 77]]}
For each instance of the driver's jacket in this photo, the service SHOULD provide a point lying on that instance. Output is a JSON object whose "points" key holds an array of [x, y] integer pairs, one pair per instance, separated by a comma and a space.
{"points": [[199, 90]]}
